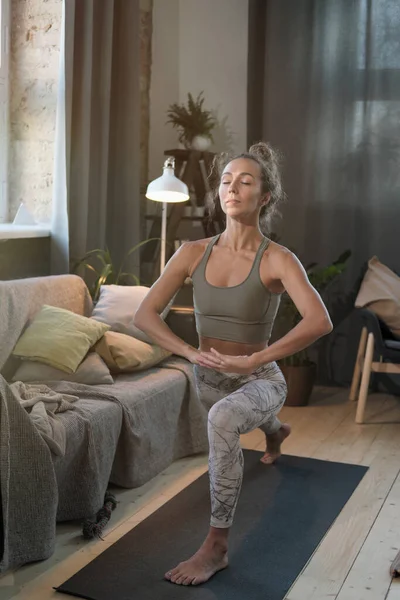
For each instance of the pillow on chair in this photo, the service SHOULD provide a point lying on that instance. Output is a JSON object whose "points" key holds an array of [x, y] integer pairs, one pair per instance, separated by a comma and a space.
{"points": [[380, 293]]}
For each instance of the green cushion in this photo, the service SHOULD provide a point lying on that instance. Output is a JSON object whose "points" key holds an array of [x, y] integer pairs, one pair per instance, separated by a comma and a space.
{"points": [[59, 338]]}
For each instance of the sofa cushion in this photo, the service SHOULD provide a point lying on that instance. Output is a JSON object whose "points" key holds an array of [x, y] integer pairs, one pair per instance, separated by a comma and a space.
{"points": [[92, 371], [380, 293], [117, 307], [59, 338], [22, 299], [123, 353]]}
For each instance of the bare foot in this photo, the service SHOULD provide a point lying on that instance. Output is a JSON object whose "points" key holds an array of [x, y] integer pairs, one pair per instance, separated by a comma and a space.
{"points": [[274, 442], [210, 558]]}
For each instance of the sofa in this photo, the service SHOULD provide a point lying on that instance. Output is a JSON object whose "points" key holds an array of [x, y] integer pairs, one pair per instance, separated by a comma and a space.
{"points": [[124, 433]]}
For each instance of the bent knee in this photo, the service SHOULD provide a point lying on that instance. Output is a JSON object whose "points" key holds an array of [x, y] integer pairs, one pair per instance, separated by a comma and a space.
{"points": [[223, 414]]}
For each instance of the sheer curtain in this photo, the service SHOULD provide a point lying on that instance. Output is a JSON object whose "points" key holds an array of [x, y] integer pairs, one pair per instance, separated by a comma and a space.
{"points": [[96, 200], [59, 260], [324, 87], [329, 98]]}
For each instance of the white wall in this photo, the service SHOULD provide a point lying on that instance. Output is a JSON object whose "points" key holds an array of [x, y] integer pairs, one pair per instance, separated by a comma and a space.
{"points": [[213, 57], [164, 87], [199, 45]]}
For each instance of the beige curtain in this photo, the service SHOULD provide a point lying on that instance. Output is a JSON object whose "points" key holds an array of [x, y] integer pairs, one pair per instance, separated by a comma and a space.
{"points": [[97, 170]]}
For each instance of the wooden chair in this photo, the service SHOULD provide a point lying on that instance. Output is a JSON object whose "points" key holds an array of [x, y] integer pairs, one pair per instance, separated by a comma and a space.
{"points": [[378, 352]]}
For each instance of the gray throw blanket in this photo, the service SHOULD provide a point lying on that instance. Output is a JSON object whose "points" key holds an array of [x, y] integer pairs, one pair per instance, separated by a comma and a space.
{"points": [[43, 404], [29, 494]]}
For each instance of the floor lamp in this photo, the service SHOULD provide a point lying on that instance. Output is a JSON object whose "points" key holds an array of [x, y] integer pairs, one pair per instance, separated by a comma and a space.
{"points": [[165, 189]]}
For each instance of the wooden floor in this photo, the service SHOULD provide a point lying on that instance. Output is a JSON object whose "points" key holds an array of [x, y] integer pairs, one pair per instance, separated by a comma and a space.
{"points": [[351, 563]]}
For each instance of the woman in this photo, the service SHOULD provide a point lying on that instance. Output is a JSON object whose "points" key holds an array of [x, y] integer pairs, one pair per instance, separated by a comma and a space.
{"points": [[238, 278]]}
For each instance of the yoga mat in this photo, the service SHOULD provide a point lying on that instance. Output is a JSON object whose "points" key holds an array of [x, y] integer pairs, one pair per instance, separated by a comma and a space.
{"points": [[284, 512]]}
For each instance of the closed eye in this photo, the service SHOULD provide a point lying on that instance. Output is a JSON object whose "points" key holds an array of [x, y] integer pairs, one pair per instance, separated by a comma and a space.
{"points": [[228, 182]]}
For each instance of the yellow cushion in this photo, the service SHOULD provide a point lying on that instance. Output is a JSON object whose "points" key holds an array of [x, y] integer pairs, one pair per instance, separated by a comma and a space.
{"points": [[124, 353], [59, 338]]}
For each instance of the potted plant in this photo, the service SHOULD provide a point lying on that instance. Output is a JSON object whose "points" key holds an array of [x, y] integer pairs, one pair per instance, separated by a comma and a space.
{"points": [[103, 270], [193, 122], [299, 369]]}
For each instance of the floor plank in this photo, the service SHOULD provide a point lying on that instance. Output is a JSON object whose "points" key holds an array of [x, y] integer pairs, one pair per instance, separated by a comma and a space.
{"points": [[369, 578], [329, 566], [394, 591]]}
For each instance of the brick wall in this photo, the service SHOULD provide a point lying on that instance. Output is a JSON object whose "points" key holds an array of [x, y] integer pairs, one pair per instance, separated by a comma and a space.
{"points": [[35, 49]]}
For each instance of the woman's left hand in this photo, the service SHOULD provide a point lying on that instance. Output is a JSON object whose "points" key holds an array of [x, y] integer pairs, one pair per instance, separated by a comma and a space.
{"points": [[243, 365]]}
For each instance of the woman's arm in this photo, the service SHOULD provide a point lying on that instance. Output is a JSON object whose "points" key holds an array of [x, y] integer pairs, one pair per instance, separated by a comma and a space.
{"points": [[315, 320], [147, 317]]}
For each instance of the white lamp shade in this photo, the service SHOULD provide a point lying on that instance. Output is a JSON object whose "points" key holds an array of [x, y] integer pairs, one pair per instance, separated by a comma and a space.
{"points": [[167, 188]]}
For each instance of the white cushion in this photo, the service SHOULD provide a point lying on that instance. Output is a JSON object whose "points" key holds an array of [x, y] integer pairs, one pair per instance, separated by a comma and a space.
{"points": [[117, 307]]}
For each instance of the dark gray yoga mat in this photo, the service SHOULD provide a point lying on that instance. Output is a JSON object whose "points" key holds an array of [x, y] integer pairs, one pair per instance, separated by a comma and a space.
{"points": [[284, 512]]}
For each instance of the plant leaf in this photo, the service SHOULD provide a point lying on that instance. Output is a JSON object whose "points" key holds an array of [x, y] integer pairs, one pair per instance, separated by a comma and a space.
{"points": [[141, 244], [127, 275]]}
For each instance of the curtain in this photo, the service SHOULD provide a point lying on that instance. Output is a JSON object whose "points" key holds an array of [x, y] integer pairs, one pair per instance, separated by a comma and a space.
{"points": [[324, 88], [329, 99], [97, 163], [59, 241]]}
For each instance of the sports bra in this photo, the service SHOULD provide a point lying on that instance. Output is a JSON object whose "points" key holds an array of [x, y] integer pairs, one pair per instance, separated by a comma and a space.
{"points": [[239, 313]]}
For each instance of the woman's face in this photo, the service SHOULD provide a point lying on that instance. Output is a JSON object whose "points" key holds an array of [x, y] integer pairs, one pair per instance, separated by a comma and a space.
{"points": [[240, 188]]}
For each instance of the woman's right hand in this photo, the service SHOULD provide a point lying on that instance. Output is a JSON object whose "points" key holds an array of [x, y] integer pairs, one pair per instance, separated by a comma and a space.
{"points": [[192, 355], [197, 358]]}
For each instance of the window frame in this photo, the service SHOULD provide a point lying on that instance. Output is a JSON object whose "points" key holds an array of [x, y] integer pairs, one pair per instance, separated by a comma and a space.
{"points": [[5, 22]]}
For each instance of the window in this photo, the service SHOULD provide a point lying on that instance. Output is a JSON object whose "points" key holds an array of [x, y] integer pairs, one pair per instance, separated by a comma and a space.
{"points": [[4, 95]]}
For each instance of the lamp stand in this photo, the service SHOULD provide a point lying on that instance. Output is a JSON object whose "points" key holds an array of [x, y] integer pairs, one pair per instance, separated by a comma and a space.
{"points": [[163, 235]]}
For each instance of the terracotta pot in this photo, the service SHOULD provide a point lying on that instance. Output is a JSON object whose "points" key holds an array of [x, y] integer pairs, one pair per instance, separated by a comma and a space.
{"points": [[300, 382]]}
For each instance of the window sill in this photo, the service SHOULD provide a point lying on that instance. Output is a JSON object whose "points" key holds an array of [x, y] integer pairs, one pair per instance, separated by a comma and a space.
{"points": [[8, 231]]}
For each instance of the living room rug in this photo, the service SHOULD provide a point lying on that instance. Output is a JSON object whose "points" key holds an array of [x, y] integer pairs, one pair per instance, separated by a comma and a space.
{"points": [[284, 512]]}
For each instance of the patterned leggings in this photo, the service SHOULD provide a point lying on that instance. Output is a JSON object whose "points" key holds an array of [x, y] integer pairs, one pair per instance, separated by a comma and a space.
{"points": [[236, 404]]}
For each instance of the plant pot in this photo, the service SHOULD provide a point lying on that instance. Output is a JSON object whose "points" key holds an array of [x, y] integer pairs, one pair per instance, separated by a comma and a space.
{"points": [[201, 142], [300, 382]]}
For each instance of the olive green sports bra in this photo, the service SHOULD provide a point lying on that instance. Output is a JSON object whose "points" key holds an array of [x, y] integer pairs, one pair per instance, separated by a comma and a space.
{"points": [[239, 313]]}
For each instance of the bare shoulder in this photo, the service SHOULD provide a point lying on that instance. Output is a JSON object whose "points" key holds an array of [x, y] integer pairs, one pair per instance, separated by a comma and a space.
{"points": [[191, 253], [194, 246], [278, 258], [277, 252], [278, 263]]}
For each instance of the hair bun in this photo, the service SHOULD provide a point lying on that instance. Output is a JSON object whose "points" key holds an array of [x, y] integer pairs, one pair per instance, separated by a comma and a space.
{"points": [[264, 151]]}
